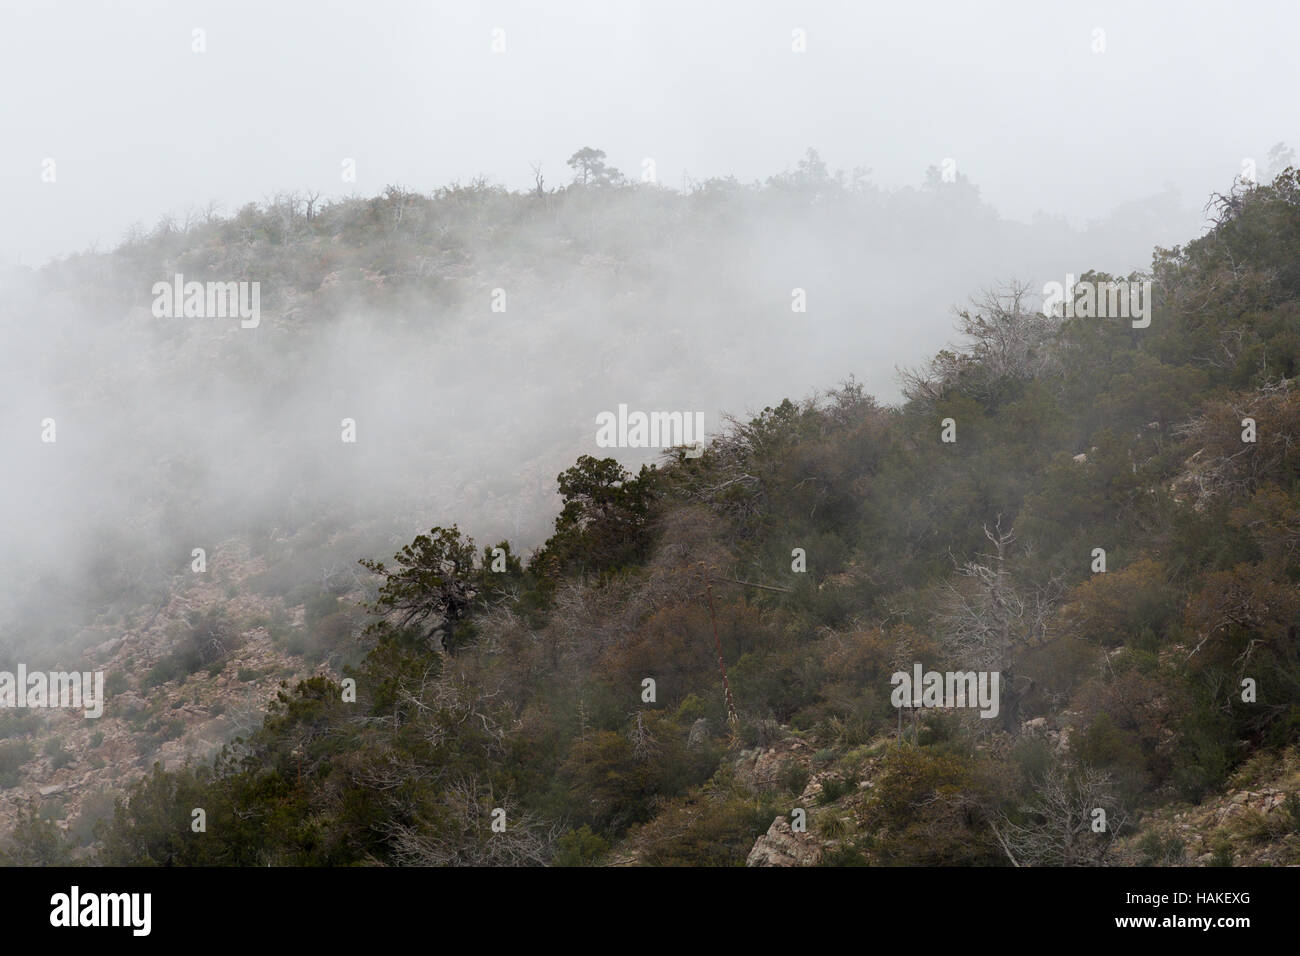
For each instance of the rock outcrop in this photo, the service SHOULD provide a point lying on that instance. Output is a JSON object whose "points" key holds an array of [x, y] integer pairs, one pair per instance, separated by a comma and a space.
{"points": [[781, 846]]}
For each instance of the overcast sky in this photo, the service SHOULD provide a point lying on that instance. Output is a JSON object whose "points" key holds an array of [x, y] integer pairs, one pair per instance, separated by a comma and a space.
{"points": [[139, 125]]}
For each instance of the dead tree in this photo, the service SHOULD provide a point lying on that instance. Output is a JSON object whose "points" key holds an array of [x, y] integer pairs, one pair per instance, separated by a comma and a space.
{"points": [[1062, 825]]}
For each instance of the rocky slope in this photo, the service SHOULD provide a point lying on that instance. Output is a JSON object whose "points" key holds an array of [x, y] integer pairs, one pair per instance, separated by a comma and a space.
{"points": [[77, 766]]}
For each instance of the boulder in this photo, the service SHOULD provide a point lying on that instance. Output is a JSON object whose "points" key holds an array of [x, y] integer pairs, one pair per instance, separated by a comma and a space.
{"points": [[781, 846]]}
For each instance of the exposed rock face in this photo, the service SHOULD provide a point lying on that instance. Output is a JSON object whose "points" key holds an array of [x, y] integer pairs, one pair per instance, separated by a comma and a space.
{"points": [[1262, 801], [781, 846], [761, 767], [1256, 824]]}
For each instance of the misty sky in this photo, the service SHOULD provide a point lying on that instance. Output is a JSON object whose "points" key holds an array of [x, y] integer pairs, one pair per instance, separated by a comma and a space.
{"points": [[139, 125]]}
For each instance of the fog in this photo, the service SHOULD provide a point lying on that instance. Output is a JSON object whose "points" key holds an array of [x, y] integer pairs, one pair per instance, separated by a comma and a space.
{"points": [[963, 159], [140, 125]]}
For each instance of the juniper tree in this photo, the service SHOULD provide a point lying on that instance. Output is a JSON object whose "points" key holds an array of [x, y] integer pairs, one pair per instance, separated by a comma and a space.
{"points": [[429, 593]]}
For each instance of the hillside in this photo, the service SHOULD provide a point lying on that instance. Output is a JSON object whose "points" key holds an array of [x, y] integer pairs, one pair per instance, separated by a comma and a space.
{"points": [[813, 550]]}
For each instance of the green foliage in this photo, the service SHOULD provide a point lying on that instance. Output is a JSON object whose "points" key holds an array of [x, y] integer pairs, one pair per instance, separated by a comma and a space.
{"points": [[429, 593], [846, 854], [833, 826], [1078, 434], [1222, 853], [793, 777], [1159, 849], [1205, 749], [604, 523], [833, 788], [619, 784], [707, 831], [1033, 756], [925, 809], [580, 847], [35, 841]]}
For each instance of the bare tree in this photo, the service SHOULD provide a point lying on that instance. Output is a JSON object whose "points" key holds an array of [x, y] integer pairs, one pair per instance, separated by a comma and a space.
{"points": [[644, 745], [1007, 338], [986, 619], [1006, 335], [1061, 826], [401, 200], [466, 835]]}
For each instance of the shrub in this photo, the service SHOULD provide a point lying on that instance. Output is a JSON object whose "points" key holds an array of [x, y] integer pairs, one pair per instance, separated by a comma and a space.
{"points": [[793, 777], [845, 854], [833, 788], [209, 639], [14, 755], [1157, 849], [115, 682], [95, 807], [833, 826], [58, 754], [320, 607], [924, 811], [1222, 853], [705, 832], [580, 847]]}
